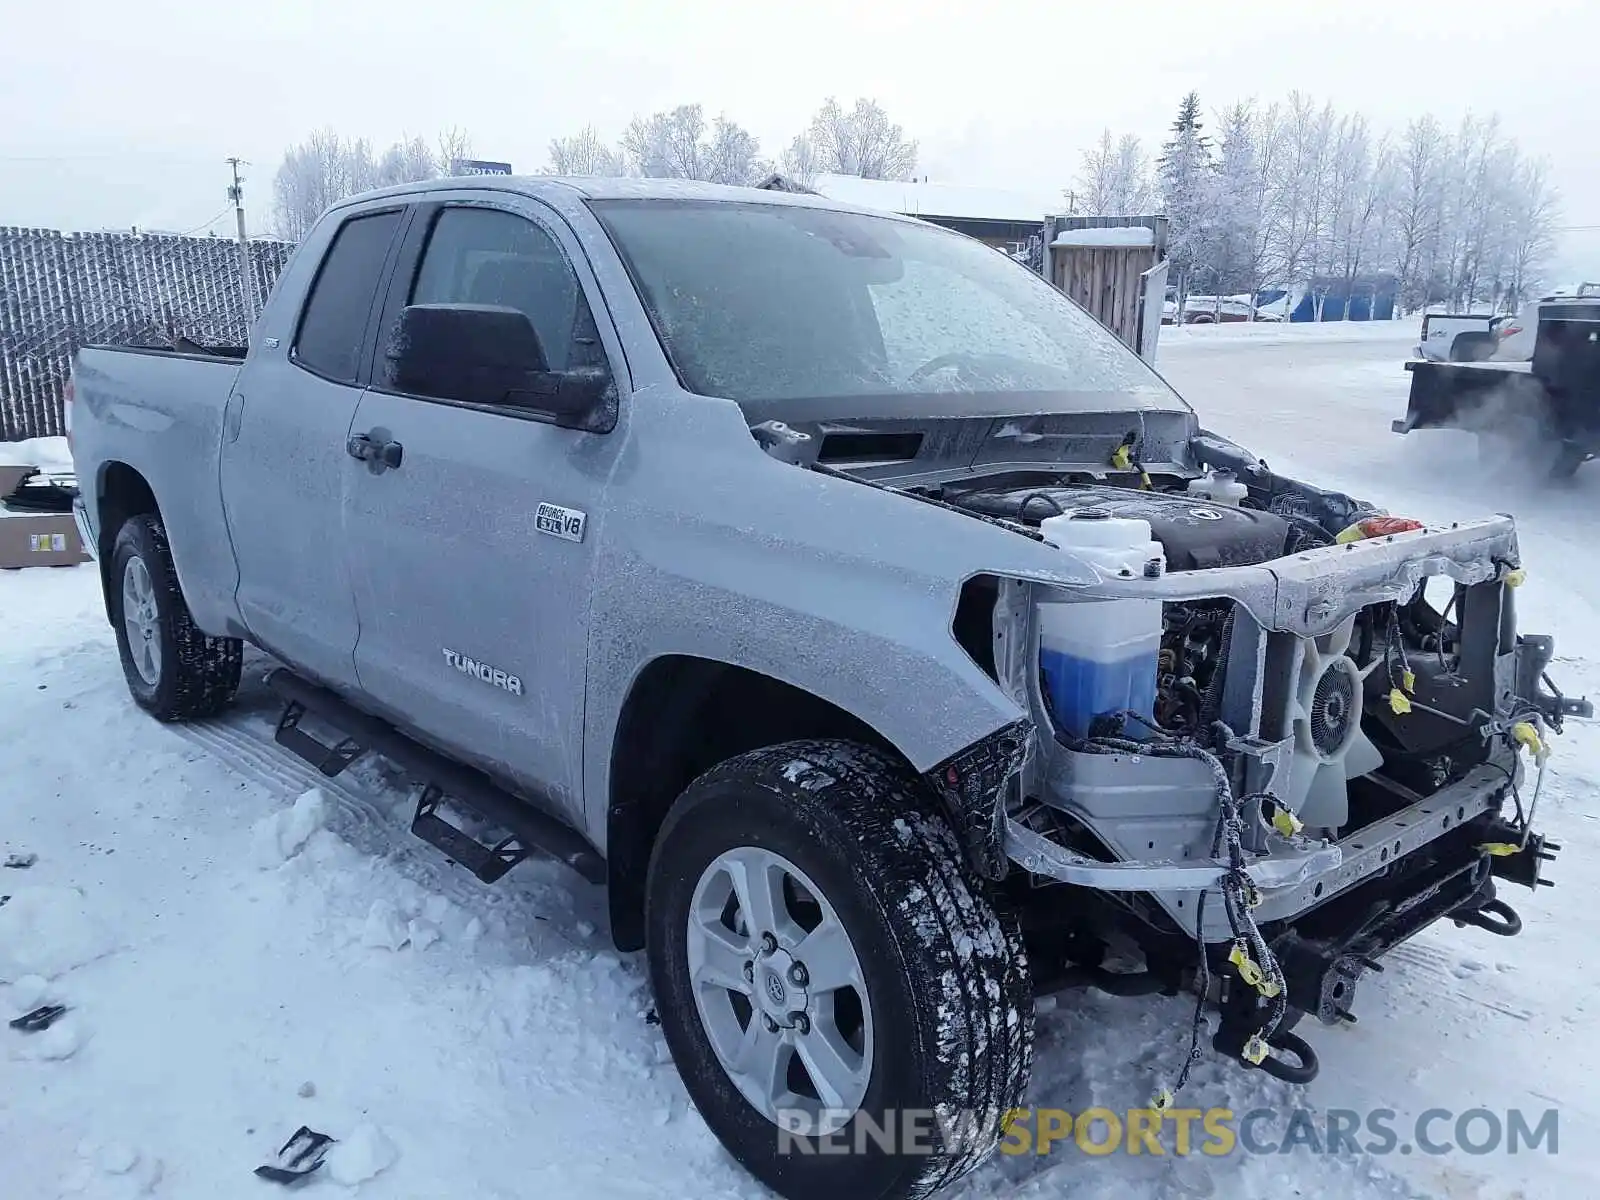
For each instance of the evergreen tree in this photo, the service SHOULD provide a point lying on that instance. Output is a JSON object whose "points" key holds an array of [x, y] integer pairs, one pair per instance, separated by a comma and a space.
{"points": [[1188, 188]]}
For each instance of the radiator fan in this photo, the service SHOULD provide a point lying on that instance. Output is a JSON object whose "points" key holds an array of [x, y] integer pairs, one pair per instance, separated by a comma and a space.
{"points": [[1329, 748]]}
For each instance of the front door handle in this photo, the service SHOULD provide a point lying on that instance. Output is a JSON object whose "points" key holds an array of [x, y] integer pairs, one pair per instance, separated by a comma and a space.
{"points": [[380, 452]]}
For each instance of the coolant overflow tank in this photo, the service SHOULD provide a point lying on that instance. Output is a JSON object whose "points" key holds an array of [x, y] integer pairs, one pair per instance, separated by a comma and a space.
{"points": [[1100, 656]]}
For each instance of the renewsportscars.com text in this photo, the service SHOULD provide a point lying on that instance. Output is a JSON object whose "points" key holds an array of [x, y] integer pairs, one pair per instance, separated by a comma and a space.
{"points": [[1215, 1132]]}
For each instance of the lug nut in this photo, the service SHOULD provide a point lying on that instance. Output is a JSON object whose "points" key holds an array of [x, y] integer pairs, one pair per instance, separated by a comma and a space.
{"points": [[772, 1025], [800, 1022], [769, 944], [749, 972], [798, 975]]}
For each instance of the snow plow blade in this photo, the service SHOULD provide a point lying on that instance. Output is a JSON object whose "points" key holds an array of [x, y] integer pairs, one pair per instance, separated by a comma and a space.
{"points": [[1470, 396]]}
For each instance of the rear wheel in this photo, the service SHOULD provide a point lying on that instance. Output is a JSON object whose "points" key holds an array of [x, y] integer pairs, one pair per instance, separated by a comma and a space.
{"points": [[174, 671], [1472, 347], [830, 975]]}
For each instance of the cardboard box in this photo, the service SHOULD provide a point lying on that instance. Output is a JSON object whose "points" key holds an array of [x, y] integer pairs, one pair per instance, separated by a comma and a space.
{"points": [[35, 539]]}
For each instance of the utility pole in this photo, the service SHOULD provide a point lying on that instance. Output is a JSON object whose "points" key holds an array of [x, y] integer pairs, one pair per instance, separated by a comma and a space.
{"points": [[246, 283]]}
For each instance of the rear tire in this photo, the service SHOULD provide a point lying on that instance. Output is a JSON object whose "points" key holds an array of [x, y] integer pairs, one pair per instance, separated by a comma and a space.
{"points": [[174, 671], [937, 1018], [1472, 347]]}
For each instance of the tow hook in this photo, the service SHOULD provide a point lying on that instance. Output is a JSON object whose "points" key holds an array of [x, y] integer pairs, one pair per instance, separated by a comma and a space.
{"points": [[1230, 1040], [1496, 917]]}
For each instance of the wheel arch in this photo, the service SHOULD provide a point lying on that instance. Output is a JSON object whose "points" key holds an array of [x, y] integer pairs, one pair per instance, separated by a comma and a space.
{"points": [[682, 716], [121, 492]]}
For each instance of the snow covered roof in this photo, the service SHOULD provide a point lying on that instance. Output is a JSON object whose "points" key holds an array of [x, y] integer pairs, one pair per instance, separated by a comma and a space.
{"points": [[918, 198]]}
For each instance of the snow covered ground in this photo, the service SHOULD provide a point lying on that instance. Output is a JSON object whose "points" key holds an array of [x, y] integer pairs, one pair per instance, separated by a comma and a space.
{"points": [[241, 956]]}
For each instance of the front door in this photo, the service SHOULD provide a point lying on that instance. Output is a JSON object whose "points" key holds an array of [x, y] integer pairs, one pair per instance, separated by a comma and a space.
{"points": [[284, 465], [472, 558]]}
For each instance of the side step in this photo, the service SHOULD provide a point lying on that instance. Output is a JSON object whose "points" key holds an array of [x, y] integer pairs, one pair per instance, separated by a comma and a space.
{"points": [[532, 830]]}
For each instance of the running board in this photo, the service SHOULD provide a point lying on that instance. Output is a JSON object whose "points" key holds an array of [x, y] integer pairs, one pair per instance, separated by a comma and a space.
{"points": [[532, 830]]}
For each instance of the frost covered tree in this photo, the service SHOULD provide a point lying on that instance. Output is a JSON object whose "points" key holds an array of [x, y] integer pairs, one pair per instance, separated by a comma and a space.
{"points": [[1413, 205], [861, 141], [1300, 196], [583, 153], [1249, 156], [734, 156], [1188, 191], [327, 167], [1115, 179], [800, 162], [680, 144]]}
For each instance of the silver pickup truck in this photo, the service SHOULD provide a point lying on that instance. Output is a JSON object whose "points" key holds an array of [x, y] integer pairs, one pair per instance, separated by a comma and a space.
{"points": [[891, 642]]}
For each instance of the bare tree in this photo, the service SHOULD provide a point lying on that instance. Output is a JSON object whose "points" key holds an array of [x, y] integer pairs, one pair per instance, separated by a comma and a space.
{"points": [[1531, 222], [1115, 179], [407, 162], [734, 155], [862, 141], [313, 175], [583, 153], [1360, 173], [800, 162], [325, 168], [678, 144], [1413, 211], [455, 145]]}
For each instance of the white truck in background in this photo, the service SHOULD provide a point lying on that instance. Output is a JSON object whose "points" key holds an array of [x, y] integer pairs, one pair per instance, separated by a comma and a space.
{"points": [[1480, 337]]}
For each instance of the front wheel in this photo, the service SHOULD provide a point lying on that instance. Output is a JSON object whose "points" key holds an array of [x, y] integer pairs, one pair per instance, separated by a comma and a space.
{"points": [[174, 671], [848, 1009]]}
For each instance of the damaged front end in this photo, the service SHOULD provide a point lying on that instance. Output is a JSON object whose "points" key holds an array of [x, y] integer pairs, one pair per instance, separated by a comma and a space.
{"points": [[1336, 755]]}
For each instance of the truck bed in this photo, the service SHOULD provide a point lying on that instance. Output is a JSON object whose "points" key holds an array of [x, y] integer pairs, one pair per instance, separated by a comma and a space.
{"points": [[161, 413]]}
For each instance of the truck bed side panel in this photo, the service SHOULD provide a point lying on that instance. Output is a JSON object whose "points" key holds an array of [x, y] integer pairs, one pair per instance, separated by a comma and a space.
{"points": [[161, 414]]}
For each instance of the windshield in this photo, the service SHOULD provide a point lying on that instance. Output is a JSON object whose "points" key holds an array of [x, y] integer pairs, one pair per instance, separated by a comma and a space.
{"points": [[811, 313]]}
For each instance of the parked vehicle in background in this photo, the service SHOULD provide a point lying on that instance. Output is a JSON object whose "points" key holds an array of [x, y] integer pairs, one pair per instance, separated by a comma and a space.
{"points": [[890, 641], [1543, 410], [1483, 337], [1459, 337], [1213, 310]]}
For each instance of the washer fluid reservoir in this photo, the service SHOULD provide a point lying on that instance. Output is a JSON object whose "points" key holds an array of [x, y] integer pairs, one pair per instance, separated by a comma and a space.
{"points": [[1099, 656]]}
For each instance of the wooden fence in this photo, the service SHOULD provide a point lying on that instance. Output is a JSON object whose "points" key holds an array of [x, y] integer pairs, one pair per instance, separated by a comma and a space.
{"points": [[59, 291]]}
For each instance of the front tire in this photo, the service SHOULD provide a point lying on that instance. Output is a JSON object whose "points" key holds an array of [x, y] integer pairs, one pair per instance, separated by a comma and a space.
{"points": [[822, 956], [174, 671]]}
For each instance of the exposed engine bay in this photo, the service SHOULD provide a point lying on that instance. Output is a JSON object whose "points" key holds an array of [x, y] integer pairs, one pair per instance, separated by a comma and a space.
{"points": [[1195, 531], [1278, 698]]}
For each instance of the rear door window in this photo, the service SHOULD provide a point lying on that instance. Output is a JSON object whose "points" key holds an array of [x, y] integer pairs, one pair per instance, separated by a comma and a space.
{"points": [[333, 326]]}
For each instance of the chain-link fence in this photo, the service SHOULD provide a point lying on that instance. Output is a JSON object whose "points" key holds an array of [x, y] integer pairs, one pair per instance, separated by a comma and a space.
{"points": [[59, 291]]}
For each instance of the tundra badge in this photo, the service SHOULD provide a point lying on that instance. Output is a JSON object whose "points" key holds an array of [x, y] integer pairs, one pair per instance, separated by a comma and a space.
{"points": [[560, 522], [483, 671]]}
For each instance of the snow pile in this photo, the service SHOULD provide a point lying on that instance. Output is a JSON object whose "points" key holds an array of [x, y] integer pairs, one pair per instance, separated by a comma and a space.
{"points": [[48, 931], [49, 454], [278, 838], [112, 1171], [61, 1041], [364, 1155]]}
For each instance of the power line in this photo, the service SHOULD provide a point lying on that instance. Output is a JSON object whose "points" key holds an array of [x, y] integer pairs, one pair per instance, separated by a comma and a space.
{"points": [[212, 221]]}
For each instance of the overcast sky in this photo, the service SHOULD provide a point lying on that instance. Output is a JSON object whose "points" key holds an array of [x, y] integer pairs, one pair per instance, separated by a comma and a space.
{"points": [[117, 114]]}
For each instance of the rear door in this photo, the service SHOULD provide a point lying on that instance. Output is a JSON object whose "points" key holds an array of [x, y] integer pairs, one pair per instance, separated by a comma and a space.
{"points": [[284, 463], [472, 559]]}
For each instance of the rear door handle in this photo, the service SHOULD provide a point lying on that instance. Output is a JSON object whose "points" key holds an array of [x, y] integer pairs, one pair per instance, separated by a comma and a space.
{"points": [[382, 453]]}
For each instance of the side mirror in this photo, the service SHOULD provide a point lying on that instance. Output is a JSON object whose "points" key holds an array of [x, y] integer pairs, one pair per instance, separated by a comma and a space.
{"points": [[483, 354]]}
